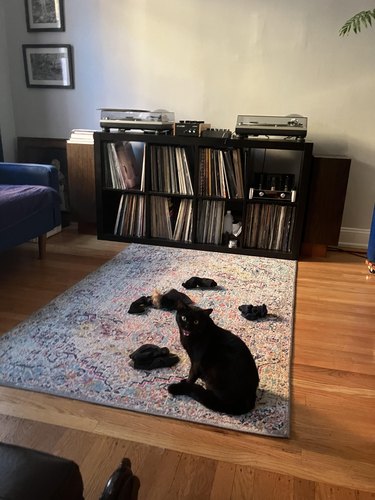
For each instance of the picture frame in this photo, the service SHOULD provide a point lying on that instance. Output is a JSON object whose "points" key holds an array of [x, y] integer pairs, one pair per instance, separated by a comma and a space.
{"points": [[48, 66], [45, 15], [49, 151]]}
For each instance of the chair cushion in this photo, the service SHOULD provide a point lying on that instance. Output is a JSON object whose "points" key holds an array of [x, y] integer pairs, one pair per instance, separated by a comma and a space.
{"points": [[34, 475], [18, 203]]}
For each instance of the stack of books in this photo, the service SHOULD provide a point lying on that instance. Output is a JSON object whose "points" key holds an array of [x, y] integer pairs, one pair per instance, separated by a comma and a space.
{"points": [[81, 136]]}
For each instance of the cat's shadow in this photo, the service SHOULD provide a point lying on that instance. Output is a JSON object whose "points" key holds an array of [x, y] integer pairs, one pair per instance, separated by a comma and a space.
{"points": [[270, 317], [217, 288], [267, 403]]}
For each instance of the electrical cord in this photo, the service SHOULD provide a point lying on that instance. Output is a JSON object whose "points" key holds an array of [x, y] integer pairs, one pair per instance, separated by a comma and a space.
{"points": [[362, 255]]}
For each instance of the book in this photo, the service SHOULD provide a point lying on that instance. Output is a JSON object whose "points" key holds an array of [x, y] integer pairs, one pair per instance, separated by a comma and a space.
{"points": [[81, 136], [118, 218], [255, 226], [186, 170], [116, 178], [230, 174], [238, 172], [129, 170], [182, 187], [280, 227]]}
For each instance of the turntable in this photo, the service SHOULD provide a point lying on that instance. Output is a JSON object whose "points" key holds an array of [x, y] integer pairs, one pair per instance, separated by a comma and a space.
{"points": [[159, 121], [287, 126]]}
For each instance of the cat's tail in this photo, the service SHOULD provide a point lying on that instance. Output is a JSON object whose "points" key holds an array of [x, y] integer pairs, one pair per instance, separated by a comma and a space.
{"points": [[209, 399]]}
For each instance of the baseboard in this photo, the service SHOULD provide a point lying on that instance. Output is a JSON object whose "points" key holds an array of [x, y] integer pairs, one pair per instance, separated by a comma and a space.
{"points": [[354, 238]]}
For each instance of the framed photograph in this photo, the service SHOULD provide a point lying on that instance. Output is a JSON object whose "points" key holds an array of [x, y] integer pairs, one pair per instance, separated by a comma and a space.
{"points": [[50, 152], [45, 15], [48, 66]]}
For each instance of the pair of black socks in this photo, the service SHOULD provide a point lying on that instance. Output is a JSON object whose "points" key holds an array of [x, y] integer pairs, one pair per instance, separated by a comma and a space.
{"points": [[196, 282], [252, 313], [150, 356]]}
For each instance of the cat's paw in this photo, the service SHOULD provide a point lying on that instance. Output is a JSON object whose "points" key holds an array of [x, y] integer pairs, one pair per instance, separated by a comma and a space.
{"points": [[179, 389]]}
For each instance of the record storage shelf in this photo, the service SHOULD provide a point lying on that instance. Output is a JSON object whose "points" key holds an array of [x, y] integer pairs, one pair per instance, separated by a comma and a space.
{"points": [[276, 158]]}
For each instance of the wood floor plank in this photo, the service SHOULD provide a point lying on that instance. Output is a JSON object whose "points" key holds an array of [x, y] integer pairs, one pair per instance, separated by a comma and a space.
{"points": [[12, 428], [156, 482], [105, 457], [75, 445], [193, 478], [303, 489], [269, 485], [33, 435], [243, 484], [365, 495], [222, 485], [327, 492]]}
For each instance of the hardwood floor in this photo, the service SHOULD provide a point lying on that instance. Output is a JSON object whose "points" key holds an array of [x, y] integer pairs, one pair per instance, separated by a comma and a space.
{"points": [[331, 452]]}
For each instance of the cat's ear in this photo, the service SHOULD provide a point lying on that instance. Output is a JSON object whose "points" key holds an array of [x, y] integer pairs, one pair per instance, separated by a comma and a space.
{"points": [[180, 305], [207, 311]]}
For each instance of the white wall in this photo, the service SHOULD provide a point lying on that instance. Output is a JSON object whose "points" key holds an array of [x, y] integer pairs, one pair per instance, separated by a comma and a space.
{"points": [[212, 60], [7, 127]]}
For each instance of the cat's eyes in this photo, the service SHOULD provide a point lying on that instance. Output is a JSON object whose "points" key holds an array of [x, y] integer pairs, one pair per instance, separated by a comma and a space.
{"points": [[184, 319]]}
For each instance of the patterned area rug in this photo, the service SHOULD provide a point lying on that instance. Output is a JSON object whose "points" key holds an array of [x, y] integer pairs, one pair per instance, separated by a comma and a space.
{"points": [[78, 346]]}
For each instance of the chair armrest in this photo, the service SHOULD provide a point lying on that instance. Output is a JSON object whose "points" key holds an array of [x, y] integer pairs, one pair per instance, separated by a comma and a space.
{"points": [[29, 173]]}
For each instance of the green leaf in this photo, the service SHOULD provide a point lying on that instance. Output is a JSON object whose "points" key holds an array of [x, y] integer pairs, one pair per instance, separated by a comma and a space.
{"points": [[355, 23]]}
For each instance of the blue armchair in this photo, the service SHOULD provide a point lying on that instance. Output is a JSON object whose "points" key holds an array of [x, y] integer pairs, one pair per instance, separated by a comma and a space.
{"points": [[29, 203]]}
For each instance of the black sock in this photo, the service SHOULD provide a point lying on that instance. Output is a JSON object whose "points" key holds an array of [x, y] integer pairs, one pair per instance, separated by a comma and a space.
{"points": [[195, 282], [252, 313]]}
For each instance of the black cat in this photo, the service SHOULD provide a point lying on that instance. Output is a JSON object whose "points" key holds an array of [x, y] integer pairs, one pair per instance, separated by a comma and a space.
{"points": [[220, 359]]}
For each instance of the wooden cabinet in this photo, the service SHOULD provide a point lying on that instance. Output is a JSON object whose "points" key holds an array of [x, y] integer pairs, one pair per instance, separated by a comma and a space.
{"points": [[184, 186], [325, 205], [82, 186]]}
